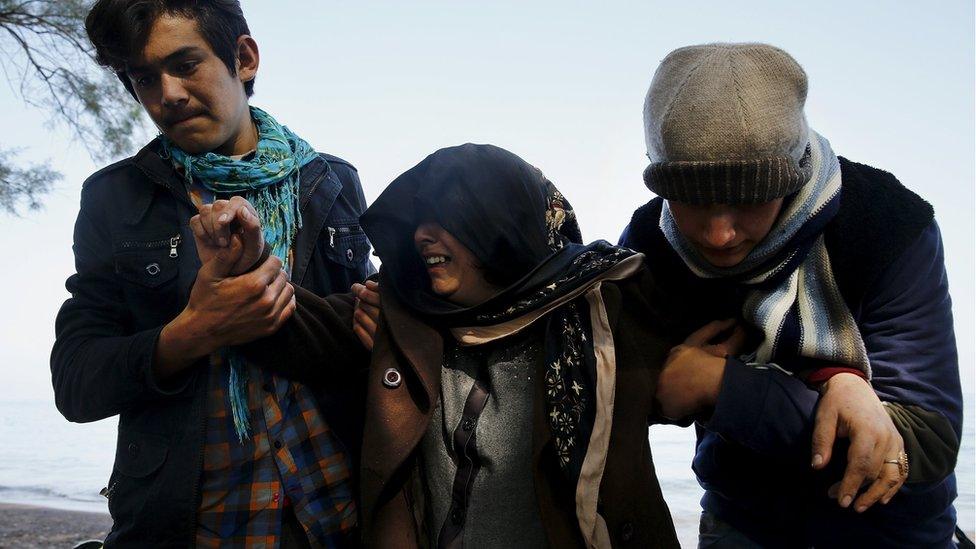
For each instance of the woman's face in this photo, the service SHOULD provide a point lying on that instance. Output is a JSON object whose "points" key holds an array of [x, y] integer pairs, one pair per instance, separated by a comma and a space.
{"points": [[454, 271]]}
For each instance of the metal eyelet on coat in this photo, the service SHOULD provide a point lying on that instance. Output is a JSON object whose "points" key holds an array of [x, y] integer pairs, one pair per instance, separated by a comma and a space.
{"points": [[392, 378], [350, 255], [152, 269]]}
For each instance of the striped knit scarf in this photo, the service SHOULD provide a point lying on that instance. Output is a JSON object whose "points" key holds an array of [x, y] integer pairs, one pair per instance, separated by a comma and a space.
{"points": [[269, 181], [793, 298]]}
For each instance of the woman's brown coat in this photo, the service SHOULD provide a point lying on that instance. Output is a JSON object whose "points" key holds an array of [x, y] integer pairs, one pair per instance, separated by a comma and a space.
{"points": [[315, 345]]}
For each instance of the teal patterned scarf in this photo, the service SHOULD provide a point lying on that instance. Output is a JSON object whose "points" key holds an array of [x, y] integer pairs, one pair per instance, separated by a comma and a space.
{"points": [[269, 181]]}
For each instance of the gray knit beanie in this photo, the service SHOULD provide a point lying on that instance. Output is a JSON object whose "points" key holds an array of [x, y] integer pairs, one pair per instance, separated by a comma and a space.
{"points": [[724, 124]]}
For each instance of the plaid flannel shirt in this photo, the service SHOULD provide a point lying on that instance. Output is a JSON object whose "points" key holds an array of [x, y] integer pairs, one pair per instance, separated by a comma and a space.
{"points": [[292, 458]]}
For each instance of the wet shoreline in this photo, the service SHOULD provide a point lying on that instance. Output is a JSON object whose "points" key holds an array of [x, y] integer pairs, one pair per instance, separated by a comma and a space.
{"points": [[28, 526]]}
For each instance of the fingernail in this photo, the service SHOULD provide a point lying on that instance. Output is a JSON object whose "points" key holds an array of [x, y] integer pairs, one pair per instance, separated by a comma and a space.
{"points": [[846, 502], [245, 214], [222, 241], [223, 217], [862, 508], [817, 460]]}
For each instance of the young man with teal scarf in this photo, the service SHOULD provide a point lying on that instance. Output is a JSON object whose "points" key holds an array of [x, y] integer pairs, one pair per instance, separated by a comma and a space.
{"points": [[212, 451]]}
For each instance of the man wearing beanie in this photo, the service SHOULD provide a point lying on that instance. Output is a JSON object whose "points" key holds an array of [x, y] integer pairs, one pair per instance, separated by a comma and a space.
{"points": [[837, 271]]}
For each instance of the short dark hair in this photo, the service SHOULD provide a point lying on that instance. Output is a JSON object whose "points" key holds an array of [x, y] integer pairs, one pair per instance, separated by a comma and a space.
{"points": [[119, 29]]}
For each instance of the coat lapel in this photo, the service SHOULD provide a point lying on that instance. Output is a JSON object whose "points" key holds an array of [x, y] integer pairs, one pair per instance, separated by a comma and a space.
{"points": [[397, 415], [421, 344]]}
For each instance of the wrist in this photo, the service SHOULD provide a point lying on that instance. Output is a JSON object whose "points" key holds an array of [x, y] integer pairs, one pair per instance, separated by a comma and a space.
{"points": [[712, 372], [262, 257], [842, 378], [181, 342], [191, 335], [265, 254], [820, 376]]}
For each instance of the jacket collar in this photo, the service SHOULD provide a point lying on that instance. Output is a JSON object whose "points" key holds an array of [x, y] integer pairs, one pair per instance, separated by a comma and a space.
{"points": [[161, 172]]}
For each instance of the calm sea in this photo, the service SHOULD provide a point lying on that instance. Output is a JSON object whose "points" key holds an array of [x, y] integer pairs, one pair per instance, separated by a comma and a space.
{"points": [[44, 460]]}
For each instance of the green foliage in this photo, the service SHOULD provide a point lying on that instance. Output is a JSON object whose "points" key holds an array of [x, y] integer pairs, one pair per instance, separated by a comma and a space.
{"points": [[46, 56], [20, 186]]}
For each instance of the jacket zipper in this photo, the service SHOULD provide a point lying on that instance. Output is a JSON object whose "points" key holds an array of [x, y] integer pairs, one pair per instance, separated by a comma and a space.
{"points": [[172, 242], [303, 201], [342, 231], [107, 491]]}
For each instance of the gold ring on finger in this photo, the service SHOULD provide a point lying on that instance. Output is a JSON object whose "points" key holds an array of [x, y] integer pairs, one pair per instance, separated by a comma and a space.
{"points": [[902, 462]]}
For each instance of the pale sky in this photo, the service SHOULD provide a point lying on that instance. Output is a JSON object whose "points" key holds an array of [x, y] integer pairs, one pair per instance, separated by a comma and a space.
{"points": [[383, 84]]}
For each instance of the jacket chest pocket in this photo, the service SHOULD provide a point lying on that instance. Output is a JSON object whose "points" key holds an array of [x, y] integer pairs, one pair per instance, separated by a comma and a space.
{"points": [[348, 245], [147, 270], [149, 263]]}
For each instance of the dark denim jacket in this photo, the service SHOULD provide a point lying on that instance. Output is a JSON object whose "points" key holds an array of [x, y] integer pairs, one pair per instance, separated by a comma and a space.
{"points": [[135, 263]]}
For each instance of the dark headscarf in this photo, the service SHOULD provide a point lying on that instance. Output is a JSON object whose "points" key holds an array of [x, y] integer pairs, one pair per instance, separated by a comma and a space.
{"points": [[524, 233], [489, 199]]}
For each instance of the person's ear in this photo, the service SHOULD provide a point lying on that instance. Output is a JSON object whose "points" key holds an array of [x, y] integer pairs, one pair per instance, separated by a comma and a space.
{"points": [[248, 58]]}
